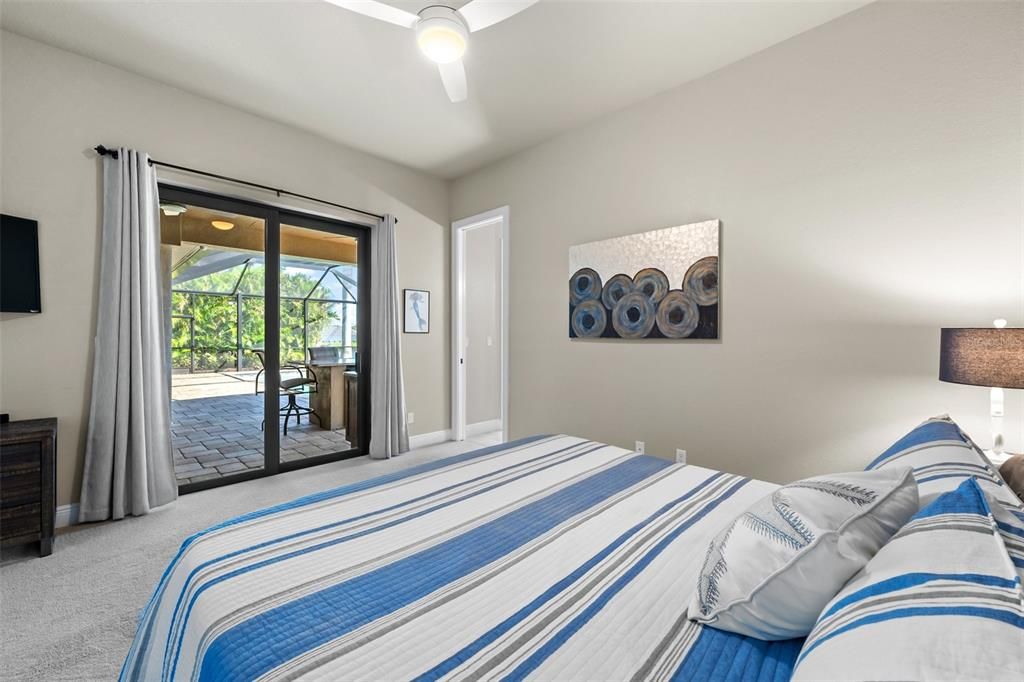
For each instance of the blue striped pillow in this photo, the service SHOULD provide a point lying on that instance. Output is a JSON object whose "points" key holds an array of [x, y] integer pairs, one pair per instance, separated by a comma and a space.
{"points": [[941, 600], [942, 457], [1010, 524]]}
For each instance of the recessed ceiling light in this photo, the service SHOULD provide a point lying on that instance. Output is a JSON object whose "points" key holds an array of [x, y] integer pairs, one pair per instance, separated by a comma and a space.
{"points": [[172, 209], [222, 224]]}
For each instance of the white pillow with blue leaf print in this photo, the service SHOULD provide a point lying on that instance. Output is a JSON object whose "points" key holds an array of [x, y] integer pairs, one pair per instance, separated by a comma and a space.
{"points": [[775, 567]]}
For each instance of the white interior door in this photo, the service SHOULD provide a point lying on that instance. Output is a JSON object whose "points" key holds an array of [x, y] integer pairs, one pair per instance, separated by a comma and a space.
{"points": [[480, 250]]}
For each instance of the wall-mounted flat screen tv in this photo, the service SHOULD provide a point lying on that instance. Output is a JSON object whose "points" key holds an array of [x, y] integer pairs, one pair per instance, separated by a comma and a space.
{"points": [[19, 265]]}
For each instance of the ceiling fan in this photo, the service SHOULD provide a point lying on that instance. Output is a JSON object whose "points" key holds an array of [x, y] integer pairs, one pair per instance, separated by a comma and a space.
{"points": [[442, 32]]}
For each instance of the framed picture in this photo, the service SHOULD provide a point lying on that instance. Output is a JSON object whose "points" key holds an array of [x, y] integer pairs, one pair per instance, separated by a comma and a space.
{"points": [[661, 284], [417, 311]]}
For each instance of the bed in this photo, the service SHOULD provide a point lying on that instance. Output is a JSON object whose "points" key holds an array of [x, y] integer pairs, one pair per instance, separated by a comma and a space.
{"points": [[551, 557]]}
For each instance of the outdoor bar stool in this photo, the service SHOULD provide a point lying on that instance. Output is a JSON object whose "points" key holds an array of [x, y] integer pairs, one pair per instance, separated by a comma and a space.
{"points": [[304, 384]]}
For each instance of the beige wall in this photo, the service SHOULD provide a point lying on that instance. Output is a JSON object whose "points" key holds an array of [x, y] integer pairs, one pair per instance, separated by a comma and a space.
{"points": [[867, 174], [868, 178], [56, 106], [483, 324]]}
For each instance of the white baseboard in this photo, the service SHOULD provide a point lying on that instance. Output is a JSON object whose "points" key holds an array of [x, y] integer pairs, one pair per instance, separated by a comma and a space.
{"points": [[67, 515], [483, 427], [433, 438]]}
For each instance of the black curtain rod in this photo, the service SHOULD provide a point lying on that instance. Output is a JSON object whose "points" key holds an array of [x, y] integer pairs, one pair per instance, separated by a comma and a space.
{"points": [[105, 151]]}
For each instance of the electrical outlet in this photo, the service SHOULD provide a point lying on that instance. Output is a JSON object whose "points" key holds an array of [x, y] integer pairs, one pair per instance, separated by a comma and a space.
{"points": [[680, 456], [639, 447], [412, 418]]}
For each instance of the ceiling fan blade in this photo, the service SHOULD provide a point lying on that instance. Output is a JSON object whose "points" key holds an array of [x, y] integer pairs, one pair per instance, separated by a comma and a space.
{"points": [[378, 10], [483, 13], [453, 75]]}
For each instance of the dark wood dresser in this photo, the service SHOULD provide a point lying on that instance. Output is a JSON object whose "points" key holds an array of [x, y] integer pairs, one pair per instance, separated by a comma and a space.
{"points": [[28, 482]]}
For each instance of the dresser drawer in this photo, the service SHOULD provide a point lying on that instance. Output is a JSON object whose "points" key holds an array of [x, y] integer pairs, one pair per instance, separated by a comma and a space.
{"points": [[28, 481], [20, 520], [20, 487], [20, 456]]}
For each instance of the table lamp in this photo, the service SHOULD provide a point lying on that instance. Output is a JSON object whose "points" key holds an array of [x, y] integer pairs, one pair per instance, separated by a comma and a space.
{"points": [[992, 357]]}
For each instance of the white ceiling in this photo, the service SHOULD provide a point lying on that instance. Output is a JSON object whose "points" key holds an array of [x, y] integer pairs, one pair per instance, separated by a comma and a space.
{"points": [[363, 82]]}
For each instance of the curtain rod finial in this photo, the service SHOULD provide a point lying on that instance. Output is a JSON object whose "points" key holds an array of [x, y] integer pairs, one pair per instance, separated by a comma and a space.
{"points": [[104, 151]]}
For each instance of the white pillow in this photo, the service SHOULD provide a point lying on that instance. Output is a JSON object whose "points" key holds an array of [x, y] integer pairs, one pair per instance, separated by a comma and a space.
{"points": [[772, 570]]}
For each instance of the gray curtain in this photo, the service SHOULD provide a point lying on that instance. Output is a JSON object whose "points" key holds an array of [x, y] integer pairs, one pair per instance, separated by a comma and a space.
{"points": [[388, 432], [129, 467]]}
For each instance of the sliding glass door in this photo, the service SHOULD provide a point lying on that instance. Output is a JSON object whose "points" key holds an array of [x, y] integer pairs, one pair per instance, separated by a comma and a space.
{"points": [[269, 337], [320, 283]]}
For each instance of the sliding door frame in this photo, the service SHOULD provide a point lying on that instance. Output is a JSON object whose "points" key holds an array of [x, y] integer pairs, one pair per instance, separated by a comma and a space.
{"points": [[272, 217], [363, 340]]}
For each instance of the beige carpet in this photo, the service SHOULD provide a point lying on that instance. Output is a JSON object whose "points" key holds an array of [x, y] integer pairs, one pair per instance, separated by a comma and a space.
{"points": [[72, 615]]}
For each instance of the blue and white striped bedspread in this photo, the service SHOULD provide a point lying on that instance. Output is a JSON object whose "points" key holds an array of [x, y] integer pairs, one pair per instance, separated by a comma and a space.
{"points": [[550, 558]]}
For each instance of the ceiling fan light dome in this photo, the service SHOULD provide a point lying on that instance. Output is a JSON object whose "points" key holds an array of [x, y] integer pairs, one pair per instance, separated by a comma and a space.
{"points": [[441, 35], [171, 208]]}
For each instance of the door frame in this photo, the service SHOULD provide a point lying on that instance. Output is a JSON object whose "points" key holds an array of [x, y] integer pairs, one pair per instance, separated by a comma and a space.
{"points": [[458, 379], [273, 216]]}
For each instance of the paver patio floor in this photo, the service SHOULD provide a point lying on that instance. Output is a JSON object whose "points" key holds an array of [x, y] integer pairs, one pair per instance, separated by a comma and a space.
{"points": [[220, 434]]}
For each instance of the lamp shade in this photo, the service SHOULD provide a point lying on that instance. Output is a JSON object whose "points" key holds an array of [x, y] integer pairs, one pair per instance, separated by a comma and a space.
{"points": [[983, 357]]}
